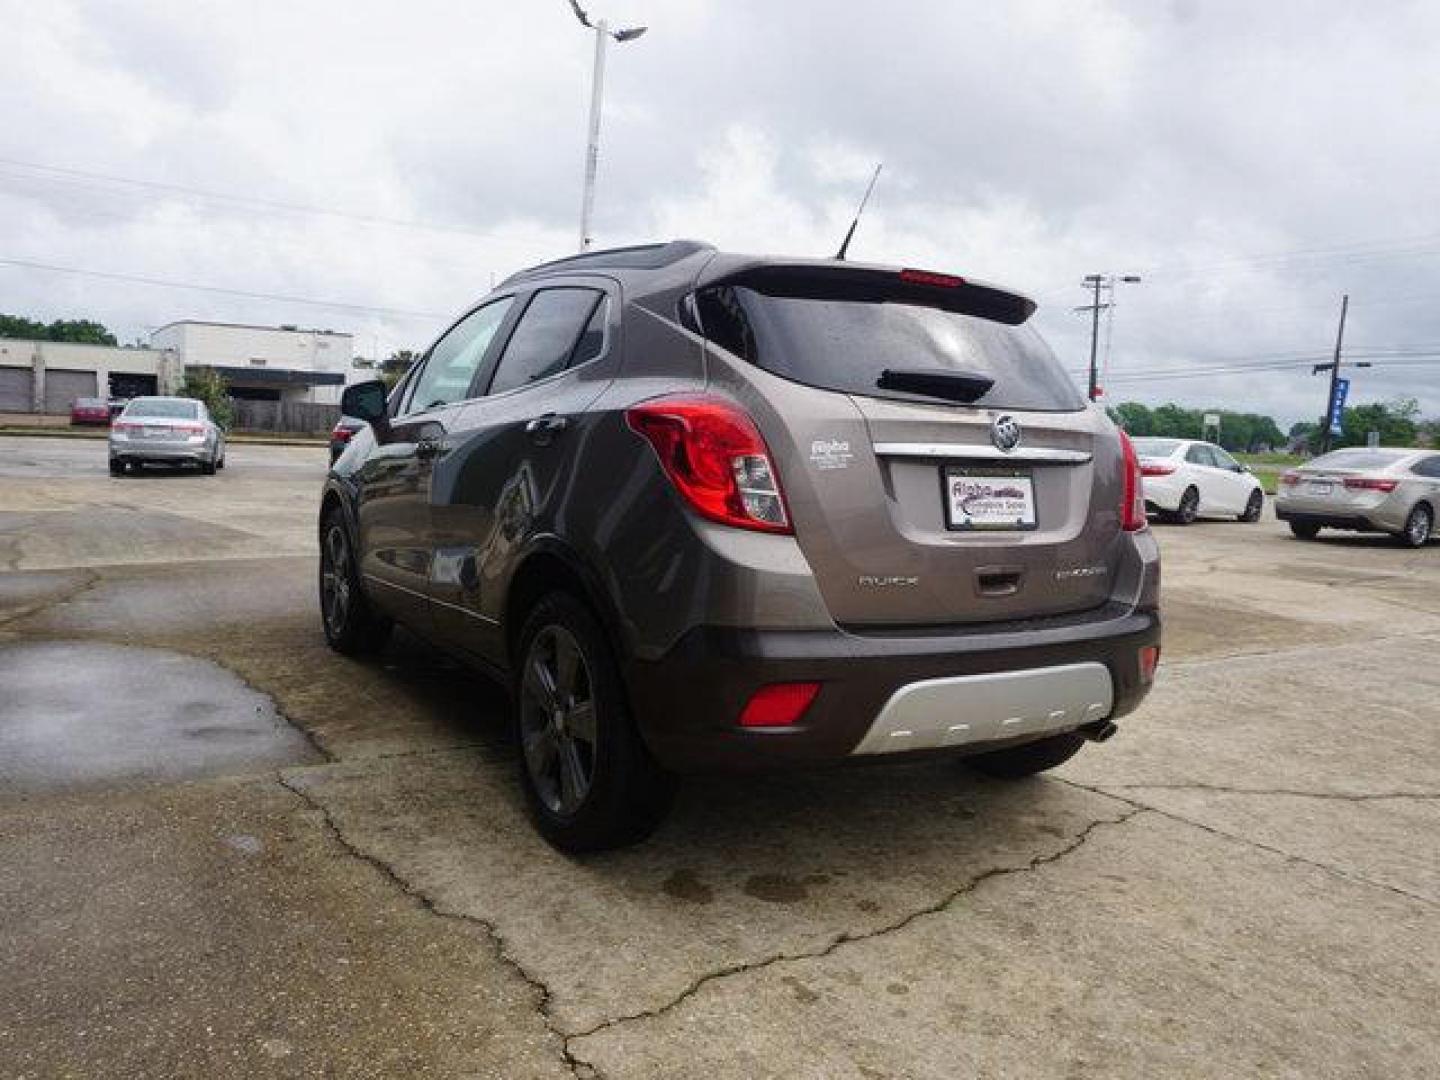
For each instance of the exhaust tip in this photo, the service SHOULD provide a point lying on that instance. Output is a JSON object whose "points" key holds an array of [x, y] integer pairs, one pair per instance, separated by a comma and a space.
{"points": [[1101, 731]]}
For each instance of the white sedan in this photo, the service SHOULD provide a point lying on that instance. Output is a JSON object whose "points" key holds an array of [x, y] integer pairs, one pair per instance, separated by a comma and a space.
{"points": [[1185, 479]]}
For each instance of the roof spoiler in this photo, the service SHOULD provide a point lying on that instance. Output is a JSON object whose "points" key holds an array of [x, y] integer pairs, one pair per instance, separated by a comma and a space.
{"points": [[875, 285]]}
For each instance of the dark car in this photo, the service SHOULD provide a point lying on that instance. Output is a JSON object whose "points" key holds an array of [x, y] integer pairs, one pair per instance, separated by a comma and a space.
{"points": [[707, 511], [341, 433]]}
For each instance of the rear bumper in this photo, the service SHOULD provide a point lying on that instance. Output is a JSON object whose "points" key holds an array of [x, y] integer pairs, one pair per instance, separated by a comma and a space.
{"points": [[158, 450], [1334, 520], [687, 702]]}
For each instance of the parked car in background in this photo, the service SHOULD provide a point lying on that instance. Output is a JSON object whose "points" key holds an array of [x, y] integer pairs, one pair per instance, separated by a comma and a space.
{"points": [[341, 434], [709, 511], [87, 410], [1365, 490], [165, 431], [1187, 479]]}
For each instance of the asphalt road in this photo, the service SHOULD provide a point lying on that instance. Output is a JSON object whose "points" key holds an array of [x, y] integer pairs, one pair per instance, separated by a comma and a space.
{"points": [[229, 852]]}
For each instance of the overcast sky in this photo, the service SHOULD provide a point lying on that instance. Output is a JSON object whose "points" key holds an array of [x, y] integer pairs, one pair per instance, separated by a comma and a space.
{"points": [[1251, 161]]}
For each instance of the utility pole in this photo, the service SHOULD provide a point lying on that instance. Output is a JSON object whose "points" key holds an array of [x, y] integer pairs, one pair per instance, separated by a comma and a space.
{"points": [[1096, 282], [1334, 376]]}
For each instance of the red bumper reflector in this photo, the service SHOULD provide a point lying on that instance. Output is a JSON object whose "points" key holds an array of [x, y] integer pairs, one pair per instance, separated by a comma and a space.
{"points": [[779, 704], [1149, 661]]}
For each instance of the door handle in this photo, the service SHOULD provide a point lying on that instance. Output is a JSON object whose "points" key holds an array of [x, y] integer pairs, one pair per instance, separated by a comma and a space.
{"points": [[543, 428], [426, 447]]}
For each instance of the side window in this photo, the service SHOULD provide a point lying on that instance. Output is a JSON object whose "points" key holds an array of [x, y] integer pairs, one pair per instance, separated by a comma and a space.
{"points": [[1429, 466], [1223, 460], [450, 368], [552, 333], [1198, 455]]}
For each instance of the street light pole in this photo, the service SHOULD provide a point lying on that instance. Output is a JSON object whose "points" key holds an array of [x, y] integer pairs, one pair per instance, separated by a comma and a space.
{"points": [[602, 31], [592, 146]]}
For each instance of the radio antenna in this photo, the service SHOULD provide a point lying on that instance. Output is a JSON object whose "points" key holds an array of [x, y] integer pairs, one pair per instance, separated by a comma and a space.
{"points": [[845, 244]]}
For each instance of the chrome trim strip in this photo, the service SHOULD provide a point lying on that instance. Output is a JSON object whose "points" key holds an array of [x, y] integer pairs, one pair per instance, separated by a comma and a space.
{"points": [[1031, 455], [422, 596], [954, 711]]}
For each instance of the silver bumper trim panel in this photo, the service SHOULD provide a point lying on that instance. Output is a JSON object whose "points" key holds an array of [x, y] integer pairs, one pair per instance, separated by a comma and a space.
{"points": [[939, 713]]}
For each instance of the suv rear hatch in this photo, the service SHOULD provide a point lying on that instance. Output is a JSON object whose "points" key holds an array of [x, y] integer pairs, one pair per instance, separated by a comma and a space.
{"points": [[938, 465]]}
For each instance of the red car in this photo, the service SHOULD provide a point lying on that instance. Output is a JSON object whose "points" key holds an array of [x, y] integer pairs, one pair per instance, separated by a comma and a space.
{"points": [[89, 410]]}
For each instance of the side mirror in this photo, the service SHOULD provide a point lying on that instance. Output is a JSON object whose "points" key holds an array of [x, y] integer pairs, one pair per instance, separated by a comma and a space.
{"points": [[364, 401]]}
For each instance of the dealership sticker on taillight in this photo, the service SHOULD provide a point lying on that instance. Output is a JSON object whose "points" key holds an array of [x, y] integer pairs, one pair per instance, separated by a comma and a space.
{"points": [[988, 500]]}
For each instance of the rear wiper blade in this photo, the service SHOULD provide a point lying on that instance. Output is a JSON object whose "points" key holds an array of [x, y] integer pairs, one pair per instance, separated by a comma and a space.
{"points": [[963, 386]]}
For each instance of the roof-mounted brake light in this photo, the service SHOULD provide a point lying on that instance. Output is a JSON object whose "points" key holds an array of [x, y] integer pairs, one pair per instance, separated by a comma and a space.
{"points": [[929, 277]]}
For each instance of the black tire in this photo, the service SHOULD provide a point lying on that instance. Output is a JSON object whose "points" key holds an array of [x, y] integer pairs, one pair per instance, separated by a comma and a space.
{"points": [[1418, 526], [1027, 759], [208, 468], [117, 467], [352, 625], [1189, 508], [1303, 530], [220, 464], [590, 784], [1255, 507]]}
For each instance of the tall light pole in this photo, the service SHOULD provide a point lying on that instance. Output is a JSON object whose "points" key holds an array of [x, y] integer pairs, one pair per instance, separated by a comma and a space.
{"points": [[1096, 282], [597, 89]]}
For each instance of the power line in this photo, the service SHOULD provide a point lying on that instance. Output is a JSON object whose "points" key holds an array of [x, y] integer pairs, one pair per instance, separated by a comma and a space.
{"points": [[56, 173], [336, 305]]}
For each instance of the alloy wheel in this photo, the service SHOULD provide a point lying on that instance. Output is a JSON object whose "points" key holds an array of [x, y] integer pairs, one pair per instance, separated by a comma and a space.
{"points": [[335, 579], [557, 720], [1417, 529]]}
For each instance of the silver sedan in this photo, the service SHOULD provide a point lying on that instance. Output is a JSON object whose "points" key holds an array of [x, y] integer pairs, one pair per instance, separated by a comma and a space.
{"points": [[165, 431], [1366, 490]]}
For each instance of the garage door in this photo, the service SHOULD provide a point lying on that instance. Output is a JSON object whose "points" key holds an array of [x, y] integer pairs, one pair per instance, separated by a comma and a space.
{"points": [[63, 387], [16, 389]]}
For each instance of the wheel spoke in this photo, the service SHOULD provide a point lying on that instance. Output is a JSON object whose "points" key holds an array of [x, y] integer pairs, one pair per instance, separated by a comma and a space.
{"points": [[540, 751], [541, 684], [573, 785]]}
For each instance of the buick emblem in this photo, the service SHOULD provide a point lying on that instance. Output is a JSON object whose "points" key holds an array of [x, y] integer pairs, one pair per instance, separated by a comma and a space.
{"points": [[1005, 433]]}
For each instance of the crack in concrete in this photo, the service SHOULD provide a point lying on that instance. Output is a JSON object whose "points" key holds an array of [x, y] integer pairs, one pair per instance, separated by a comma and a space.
{"points": [[1289, 856], [848, 938], [1342, 796], [577, 1068], [92, 579]]}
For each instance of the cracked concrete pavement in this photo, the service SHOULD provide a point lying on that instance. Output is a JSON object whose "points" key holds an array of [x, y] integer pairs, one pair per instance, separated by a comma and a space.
{"points": [[1245, 881]]}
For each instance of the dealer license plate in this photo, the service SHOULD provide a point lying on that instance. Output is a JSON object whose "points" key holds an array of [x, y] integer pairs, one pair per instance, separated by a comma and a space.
{"points": [[989, 500]]}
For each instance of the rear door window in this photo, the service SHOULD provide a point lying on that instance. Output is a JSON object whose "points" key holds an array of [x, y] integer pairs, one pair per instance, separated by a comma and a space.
{"points": [[846, 344], [1199, 455], [560, 328]]}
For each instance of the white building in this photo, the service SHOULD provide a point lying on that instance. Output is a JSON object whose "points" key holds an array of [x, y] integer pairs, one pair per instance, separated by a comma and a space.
{"points": [[259, 363], [47, 376], [264, 363]]}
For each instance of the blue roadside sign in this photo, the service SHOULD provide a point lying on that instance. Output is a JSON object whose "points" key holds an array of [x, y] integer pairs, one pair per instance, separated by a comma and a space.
{"points": [[1337, 406]]}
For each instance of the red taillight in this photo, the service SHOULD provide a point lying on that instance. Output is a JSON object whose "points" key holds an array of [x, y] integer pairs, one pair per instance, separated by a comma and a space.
{"points": [[1149, 661], [714, 455], [929, 277], [1156, 468], [1370, 483], [1290, 478], [1132, 509], [341, 433], [192, 428], [778, 705]]}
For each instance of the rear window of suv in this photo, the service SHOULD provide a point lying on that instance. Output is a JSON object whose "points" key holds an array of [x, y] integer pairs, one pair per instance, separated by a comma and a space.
{"points": [[845, 345]]}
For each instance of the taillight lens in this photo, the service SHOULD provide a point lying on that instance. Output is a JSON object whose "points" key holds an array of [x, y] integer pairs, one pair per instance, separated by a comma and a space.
{"points": [[340, 433], [1156, 468], [194, 429], [1132, 509], [1369, 483], [1290, 478], [1149, 661], [714, 455], [779, 704]]}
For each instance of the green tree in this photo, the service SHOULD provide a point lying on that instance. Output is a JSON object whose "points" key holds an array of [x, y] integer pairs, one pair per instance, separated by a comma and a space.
{"points": [[82, 331], [1397, 422], [208, 385], [1134, 417], [394, 366]]}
